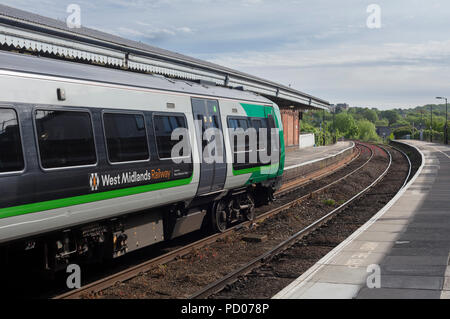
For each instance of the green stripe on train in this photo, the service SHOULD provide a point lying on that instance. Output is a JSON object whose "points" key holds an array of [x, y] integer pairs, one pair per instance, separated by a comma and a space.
{"points": [[84, 199], [267, 169]]}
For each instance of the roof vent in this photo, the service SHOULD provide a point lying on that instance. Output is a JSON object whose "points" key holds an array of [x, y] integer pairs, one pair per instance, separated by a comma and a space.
{"points": [[205, 83]]}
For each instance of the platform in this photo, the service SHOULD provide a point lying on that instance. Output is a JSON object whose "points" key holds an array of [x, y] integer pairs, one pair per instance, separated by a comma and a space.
{"points": [[302, 162], [407, 243]]}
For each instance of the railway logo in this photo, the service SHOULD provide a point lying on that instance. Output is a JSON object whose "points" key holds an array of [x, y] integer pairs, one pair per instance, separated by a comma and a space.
{"points": [[93, 181]]}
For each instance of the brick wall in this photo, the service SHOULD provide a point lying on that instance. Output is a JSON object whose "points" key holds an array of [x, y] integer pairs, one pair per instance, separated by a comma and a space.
{"points": [[291, 126]]}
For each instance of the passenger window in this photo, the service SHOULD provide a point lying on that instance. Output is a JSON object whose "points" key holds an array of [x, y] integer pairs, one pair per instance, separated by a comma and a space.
{"points": [[233, 123], [164, 127], [241, 126], [65, 138], [11, 155], [126, 137], [261, 124]]}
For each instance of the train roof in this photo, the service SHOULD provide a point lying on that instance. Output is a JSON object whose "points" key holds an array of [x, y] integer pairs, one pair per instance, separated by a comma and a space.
{"points": [[51, 67]]}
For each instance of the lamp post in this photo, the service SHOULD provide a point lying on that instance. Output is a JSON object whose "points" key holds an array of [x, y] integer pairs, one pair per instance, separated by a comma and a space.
{"points": [[446, 119], [431, 124], [334, 125], [323, 128]]}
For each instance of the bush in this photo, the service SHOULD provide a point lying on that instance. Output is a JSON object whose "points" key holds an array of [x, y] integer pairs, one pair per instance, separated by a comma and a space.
{"points": [[367, 131], [328, 138], [437, 136], [402, 131], [345, 123]]}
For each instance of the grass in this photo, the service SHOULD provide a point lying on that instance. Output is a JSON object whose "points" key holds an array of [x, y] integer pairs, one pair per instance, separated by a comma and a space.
{"points": [[329, 202]]}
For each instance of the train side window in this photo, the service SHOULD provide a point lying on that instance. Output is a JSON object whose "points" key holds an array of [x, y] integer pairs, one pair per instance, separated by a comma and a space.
{"points": [[11, 153], [233, 123], [126, 137], [261, 124], [238, 124], [65, 138], [164, 127]]}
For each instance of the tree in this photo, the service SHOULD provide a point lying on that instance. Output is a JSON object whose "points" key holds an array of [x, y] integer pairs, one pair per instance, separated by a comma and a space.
{"points": [[370, 115], [383, 122], [345, 123], [367, 131], [391, 115], [402, 132]]}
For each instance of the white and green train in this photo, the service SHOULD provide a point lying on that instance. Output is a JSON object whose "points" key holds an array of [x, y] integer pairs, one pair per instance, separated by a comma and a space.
{"points": [[86, 168]]}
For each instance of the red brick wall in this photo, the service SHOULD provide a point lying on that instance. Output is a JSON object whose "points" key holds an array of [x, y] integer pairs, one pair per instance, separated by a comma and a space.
{"points": [[290, 120]]}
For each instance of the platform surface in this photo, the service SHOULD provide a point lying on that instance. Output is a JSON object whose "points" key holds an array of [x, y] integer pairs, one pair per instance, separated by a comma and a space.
{"points": [[307, 155], [402, 252]]}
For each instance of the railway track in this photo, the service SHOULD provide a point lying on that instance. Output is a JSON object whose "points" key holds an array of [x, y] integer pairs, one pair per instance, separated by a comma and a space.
{"points": [[260, 261], [134, 271], [301, 182]]}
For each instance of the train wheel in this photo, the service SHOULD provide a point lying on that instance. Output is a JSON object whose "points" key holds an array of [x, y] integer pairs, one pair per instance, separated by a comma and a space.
{"points": [[250, 213], [220, 216]]}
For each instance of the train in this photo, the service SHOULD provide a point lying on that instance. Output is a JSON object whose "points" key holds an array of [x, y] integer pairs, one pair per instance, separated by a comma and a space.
{"points": [[87, 168]]}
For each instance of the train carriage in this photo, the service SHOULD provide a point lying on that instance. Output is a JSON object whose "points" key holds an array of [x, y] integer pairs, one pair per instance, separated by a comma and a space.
{"points": [[87, 168]]}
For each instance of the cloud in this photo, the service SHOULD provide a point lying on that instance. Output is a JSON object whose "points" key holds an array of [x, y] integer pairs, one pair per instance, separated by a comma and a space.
{"points": [[152, 33], [252, 2], [430, 53], [386, 75]]}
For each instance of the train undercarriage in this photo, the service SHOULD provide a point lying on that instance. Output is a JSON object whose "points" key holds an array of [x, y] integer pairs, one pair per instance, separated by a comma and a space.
{"points": [[109, 239]]}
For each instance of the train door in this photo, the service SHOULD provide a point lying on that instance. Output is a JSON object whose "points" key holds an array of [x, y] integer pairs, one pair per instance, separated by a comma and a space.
{"points": [[212, 173]]}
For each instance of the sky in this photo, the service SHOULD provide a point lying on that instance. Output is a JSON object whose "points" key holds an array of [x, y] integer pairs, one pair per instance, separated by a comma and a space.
{"points": [[321, 47]]}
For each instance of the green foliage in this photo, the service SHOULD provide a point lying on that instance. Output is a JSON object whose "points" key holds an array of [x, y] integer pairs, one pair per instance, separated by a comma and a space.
{"points": [[392, 137], [383, 122], [361, 123], [329, 202], [367, 131], [402, 122], [402, 131], [437, 136], [346, 124], [308, 128], [370, 115], [391, 115]]}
